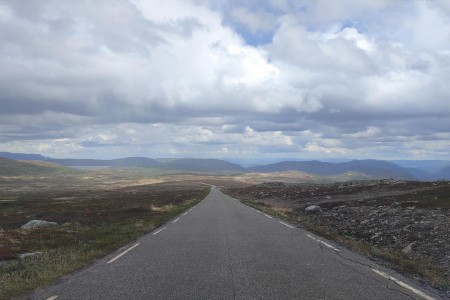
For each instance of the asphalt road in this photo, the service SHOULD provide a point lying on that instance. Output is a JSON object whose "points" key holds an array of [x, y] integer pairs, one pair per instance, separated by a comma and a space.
{"points": [[222, 249]]}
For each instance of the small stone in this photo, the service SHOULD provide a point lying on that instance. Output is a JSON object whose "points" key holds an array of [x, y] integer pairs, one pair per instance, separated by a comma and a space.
{"points": [[313, 209], [408, 249], [29, 255], [375, 235], [37, 223]]}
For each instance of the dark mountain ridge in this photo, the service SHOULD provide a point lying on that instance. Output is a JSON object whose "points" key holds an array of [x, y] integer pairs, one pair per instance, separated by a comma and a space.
{"points": [[372, 168], [120, 162], [23, 156], [444, 174], [202, 165]]}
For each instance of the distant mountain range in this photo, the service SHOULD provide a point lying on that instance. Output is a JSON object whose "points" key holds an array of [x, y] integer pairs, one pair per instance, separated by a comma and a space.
{"points": [[121, 162], [202, 165], [372, 168]]}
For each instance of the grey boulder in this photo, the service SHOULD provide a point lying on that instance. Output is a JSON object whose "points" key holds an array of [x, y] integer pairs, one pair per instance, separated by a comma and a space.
{"points": [[37, 224], [313, 209]]}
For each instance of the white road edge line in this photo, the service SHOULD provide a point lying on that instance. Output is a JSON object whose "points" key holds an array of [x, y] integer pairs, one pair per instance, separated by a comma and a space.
{"points": [[176, 220], [286, 224], [268, 216], [122, 254], [53, 297], [185, 214], [159, 230], [402, 284]]}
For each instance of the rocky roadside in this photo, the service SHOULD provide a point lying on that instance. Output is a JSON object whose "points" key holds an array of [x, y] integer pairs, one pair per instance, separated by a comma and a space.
{"points": [[408, 222], [417, 232]]}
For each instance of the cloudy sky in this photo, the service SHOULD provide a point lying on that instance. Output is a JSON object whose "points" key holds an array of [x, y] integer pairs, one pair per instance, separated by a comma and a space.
{"points": [[226, 78]]}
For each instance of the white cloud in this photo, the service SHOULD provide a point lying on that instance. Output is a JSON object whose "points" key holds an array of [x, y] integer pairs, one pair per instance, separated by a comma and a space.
{"points": [[256, 21], [338, 78]]}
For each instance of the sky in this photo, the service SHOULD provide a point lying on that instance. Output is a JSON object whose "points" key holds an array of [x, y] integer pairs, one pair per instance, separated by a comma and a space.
{"points": [[226, 78]]}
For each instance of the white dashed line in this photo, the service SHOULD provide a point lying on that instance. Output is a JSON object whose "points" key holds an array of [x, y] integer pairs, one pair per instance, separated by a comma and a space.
{"points": [[323, 243], [176, 220], [190, 209], [122, 254], [185, 214], [286, 224], [329, 246], [311, 237], [268, 216], [53, 297], [404, 285], [159, 230]]}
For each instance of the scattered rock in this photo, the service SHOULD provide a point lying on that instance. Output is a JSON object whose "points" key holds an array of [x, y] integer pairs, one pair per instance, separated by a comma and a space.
{"points": [[37, 223], [386, 214], [364, 222], [408, 249], [313, 209], [375, 235]]}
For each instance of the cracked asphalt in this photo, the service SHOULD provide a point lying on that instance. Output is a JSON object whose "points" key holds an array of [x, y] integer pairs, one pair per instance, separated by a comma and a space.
{"points": [[222, 249]]}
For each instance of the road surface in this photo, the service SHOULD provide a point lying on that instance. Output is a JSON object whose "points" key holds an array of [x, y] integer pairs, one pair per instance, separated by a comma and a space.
{"points": [[222, 249]]}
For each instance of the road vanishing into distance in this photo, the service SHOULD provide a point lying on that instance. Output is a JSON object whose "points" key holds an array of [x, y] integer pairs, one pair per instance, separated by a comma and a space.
{"points": [[222, 249]]}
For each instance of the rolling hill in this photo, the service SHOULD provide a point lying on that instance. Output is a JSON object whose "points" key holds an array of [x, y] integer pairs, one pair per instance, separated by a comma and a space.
{"points": [[374, 168], [121, 162], [444, 174], [23, 156], [369, 168], [203, 165], [10, 167]]}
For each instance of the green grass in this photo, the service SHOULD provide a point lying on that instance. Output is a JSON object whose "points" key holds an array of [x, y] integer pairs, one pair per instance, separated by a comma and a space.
{"points": [[436, 276], [86, 236]]}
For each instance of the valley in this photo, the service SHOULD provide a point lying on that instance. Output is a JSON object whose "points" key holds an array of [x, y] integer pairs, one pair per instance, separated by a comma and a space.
{"points": [[399, 223]]}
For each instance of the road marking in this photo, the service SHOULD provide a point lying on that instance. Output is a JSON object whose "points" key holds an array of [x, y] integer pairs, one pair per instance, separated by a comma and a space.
{"points": [[190, 209], [176, 220], [268, 216], [323, 243], [123, 253], [310, 236], [53, 297], [185, 214], [329, 246], [402, 284], [159, 230], [286, 224]]}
